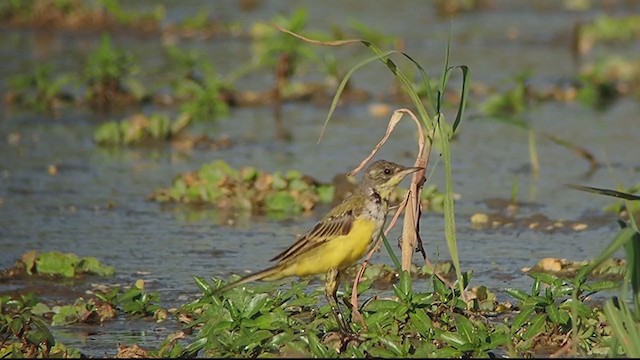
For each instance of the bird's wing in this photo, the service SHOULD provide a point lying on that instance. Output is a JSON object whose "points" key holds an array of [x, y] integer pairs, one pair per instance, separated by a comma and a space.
{"points": [[337, 222]]}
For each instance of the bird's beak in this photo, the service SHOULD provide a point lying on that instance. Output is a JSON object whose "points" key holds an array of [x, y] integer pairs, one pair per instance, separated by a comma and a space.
{"points": [[403, 173], [410, 170]]}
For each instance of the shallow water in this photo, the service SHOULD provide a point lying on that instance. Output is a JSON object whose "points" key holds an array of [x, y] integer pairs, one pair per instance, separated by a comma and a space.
{"points": [[166, 246]]}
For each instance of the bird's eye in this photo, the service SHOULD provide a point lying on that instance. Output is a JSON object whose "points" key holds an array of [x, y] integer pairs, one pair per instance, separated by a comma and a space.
{"points": [[387, 171]]}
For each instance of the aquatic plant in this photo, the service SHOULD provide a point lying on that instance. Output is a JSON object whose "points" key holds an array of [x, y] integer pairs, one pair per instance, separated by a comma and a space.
{"points": [[247, 188], [512, 101], [134, 301], [139, 129], [607, 79], [206, 94], [605, 28], [62, 264], [40, 89], [107, 71]]}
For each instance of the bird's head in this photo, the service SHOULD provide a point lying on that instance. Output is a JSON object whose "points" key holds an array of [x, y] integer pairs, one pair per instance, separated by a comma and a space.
{"points": [[383, 176]]}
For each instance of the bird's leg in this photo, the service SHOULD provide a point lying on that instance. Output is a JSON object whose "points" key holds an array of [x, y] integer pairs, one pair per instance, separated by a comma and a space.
{"points": [[331, 289]]}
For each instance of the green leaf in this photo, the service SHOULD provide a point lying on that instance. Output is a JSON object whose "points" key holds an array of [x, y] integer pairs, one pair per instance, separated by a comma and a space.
{"points": [[64, 315], [57, 263], [554, 314], [454, 339], [282, 201], [536, 327], [393, 345], [40, 334], [194, 347], [317, 348], [622, 238], [381, 305], [522, 318], [403, 289], [544, 277], [203, 285], [92, 265], [39, 309], [537, 301], [269, 321], [422, 322], [465, 328], [518, 294], [255, 305]]}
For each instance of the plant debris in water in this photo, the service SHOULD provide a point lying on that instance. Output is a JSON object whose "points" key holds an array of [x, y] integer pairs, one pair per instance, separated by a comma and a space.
{"points": [[56, 263], [247, 188]]}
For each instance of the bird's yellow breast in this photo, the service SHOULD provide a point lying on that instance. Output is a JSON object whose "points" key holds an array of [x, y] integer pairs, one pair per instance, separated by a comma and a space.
{"points": [[340, 252]]}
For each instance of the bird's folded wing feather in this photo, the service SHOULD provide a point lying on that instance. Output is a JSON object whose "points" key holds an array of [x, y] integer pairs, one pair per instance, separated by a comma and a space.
{"points": [[328, 228]]}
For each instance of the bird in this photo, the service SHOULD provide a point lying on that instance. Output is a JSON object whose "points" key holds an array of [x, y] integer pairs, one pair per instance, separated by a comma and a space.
{"points": [[341, 237]]}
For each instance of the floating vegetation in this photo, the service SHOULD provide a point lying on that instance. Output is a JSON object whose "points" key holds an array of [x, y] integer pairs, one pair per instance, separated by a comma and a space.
{"points": [[56, 263], [139, 129], [247, 188]]}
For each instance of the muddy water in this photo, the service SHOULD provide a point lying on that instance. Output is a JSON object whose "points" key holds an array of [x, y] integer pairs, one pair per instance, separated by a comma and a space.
{"points": [[95, 205]]}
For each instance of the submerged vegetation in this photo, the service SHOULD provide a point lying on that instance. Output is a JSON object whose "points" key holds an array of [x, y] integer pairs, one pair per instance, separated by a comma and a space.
{"points": [[408, 311]]}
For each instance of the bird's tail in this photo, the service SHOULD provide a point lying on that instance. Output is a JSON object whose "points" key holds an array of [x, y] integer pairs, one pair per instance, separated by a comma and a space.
{"points": [[271, 273]]}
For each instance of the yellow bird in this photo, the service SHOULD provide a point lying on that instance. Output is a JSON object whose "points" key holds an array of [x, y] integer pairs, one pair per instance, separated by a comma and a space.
{"points": [[341, 237]]}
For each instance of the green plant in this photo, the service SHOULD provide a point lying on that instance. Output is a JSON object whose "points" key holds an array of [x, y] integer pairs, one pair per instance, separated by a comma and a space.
{"points": [[206, 99], [139, 129], [107, 71], [546, 311], [40, 88], [63, 264], [621, 206], [24, 333], [261, 321], [247, 188], [134, 301], [269, 44], [513, 101], [127, 17], [81, 311]]}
